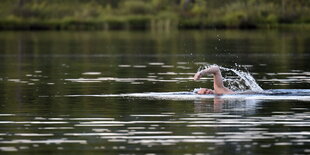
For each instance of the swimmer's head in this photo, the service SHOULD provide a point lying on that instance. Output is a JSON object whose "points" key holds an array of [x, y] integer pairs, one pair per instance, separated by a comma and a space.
{"points": [[204, 91]]}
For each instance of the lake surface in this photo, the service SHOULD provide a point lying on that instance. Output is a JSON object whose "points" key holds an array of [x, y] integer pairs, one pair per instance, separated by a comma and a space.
{"points": [[55, 87]]}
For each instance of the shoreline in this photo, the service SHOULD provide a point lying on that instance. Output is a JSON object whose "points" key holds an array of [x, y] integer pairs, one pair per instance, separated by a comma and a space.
{"points": [[140, 24], [155, 15]]}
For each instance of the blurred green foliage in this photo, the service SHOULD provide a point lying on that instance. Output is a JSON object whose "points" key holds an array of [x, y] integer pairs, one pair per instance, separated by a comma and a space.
{"points": [[151, 14]]}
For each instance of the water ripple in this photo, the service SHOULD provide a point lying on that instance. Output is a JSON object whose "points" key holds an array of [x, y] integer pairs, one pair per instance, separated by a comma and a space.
{"points": [[161, 129]]}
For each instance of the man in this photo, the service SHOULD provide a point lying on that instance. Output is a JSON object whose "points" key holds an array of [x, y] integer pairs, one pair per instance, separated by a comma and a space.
{"points": [[218, 85]]}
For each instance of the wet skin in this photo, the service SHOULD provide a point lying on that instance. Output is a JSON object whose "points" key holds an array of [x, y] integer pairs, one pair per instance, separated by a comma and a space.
{"points": [[205, 91], [218, 85]]}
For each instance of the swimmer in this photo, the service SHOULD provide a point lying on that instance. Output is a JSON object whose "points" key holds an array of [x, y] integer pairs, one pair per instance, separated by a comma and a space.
{"points": [[218, 85]]}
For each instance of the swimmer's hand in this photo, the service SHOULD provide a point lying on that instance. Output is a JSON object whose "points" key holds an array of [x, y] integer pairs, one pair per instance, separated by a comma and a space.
{"points": [[198, 75], [210, 70]]}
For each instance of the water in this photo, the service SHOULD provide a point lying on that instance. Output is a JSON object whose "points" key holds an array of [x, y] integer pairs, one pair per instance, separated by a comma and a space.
{"points": [[272, 94], [123, 92], [249, 81]]}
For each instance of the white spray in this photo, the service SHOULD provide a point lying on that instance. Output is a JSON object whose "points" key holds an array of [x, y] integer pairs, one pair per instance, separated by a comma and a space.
{"points": [[245, 81]]}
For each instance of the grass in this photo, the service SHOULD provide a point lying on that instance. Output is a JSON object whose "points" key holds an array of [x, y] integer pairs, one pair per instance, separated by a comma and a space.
{"points": [[152, 14]]}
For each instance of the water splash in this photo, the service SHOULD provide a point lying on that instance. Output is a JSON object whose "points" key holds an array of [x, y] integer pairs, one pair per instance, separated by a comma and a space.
{"points": [[245, 80]]}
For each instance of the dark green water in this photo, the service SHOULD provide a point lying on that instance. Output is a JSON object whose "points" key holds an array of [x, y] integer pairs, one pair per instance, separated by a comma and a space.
{"points": [[39, 69]]}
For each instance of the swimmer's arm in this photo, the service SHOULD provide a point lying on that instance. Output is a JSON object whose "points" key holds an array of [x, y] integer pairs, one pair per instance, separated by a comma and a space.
{"points": [[218, 85], [211, 70]]}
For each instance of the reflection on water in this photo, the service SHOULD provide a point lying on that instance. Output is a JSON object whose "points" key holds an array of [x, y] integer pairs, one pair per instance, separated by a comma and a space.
{"points": [[226, 105], [212, 124], [88, 92]]}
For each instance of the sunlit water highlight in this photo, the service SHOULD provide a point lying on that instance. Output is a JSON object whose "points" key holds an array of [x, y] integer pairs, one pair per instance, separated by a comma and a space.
{"points": [[139, 133]]}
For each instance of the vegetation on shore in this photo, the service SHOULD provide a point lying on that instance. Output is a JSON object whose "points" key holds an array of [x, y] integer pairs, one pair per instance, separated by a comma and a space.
{"points": [[152, 14]]}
